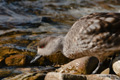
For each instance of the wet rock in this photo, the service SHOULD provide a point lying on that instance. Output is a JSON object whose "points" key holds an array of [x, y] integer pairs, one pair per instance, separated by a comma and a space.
{"points": [[63, 76], [14, 71], [17, 60], [116, 65], [84, 65], [5, 73], [47, 19], [66, 76], [56, 59], [27, 76], [102, 77], [106, 71], [19, 70]]}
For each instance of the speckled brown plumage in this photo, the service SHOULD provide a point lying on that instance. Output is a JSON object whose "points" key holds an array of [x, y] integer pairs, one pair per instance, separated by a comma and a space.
{"points": [[97, 34]]}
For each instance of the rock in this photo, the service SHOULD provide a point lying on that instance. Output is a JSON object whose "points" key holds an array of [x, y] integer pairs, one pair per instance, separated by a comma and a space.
{"points": [[63, 76], [12, 71], [17, 60], [5, 73], [19, 70], [116, 65], [106, 71], [66, 76], [47, 19], [84, 65], [102, 77], [27, 76], [56, 59]]}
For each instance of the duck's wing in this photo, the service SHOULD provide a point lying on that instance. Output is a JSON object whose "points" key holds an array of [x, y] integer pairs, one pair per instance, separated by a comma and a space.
{"points": [[94, 32]]}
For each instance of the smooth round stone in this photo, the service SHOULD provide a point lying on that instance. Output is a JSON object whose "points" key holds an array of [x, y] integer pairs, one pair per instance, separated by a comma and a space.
{"points": [[106, 71], [84, 65], [116, 65]]}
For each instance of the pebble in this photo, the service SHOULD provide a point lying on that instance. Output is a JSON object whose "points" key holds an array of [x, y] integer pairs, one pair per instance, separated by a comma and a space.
{"points": [[116, 65], [106, 71]]}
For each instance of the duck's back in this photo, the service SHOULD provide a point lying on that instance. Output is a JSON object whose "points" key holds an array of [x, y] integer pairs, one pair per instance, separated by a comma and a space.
{"points": [[97, 34]]}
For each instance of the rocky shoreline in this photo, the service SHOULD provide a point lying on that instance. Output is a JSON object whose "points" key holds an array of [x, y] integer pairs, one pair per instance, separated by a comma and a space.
{"points": [[19, 68]]}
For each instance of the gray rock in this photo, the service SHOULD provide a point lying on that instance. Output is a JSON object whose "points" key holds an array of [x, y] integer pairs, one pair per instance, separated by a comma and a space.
{"points": [[66, 76], [84, 65], [102, 77], [27, 76], [63, 76]]}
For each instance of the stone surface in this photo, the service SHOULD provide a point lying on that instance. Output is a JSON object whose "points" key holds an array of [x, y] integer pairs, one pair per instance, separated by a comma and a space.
{"points": [[102, 77], [116, 65], [106, 71], [4, 73], [84, 65], [63, 76], [27, 76], [56, 59], [17, 60], [66, 76]]}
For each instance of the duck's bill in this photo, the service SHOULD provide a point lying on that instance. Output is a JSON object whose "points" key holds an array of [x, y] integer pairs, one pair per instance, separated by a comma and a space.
{"points": [[35, 58]]}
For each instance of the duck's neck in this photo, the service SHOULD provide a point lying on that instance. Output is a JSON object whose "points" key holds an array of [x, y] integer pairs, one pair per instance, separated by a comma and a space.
{"points": [[60, 42], [52, 47]]}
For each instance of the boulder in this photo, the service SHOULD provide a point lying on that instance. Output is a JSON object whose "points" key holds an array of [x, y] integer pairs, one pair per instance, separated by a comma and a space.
{"points": [[27, 76], [63, 76], [102, 77], [116, 65], [66, 76], [84, 65], [17, 60]]}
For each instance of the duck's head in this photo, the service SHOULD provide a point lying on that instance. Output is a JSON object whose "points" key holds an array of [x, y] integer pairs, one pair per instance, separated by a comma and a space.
{"points": [[48, 46]]}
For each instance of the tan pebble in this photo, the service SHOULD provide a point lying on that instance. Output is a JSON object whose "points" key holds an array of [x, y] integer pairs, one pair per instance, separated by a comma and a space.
{"points": [[106, 71], [109, 19], [116, 65]]}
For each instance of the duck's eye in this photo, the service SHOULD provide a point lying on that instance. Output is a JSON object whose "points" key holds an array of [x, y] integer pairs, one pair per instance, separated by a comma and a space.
{"points": [[42, 46]]}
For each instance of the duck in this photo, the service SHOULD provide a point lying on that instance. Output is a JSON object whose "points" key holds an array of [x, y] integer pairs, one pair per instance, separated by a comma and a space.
{"points": [[96, 34]]}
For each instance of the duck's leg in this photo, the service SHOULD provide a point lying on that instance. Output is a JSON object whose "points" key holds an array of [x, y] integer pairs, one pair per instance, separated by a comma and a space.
{"points": [[110, 65], [102, 66], [97, 69]]}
